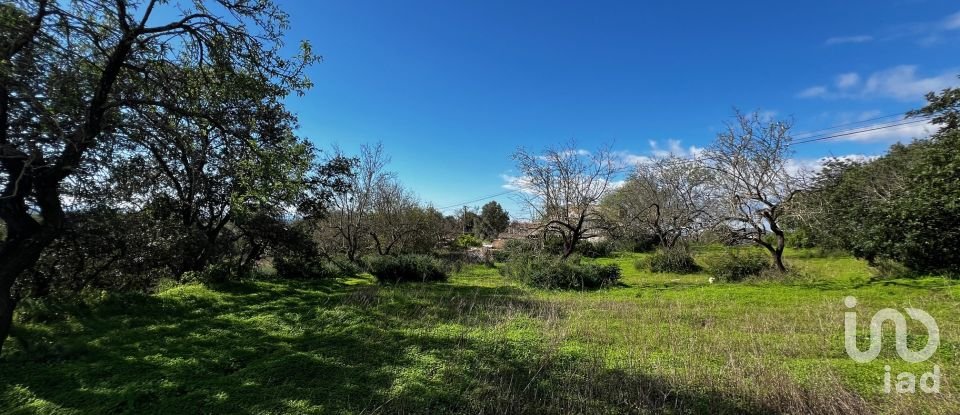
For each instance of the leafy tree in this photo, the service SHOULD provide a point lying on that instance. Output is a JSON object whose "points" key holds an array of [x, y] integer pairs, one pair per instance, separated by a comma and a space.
{"points": [[493, 220], [76, 77], [902, 206]]}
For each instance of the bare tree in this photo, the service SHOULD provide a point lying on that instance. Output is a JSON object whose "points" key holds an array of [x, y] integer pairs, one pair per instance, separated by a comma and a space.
{"points": [[562, 186], [348, 220], [395, 215], [751, 175], [668, 198]]}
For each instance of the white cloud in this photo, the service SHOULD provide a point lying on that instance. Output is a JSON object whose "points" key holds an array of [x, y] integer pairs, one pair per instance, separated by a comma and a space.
{"points": [[899, 82], [849, 39], [658, 150], [516, 183], [813, 92], [952, 22], [848, 80], [630, 159]]}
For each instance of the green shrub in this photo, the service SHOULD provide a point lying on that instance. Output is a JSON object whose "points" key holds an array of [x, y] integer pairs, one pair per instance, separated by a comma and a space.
{"points": [[595, 249], [212, 274], [467, 240], [556, 273], [735, 266], [885, 268], [677, 260], [515, 247], [406, 268], [304, 268]]}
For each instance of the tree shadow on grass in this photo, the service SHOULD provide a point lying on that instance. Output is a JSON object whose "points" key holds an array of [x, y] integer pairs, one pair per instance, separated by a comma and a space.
{"points": [[294, 346]]}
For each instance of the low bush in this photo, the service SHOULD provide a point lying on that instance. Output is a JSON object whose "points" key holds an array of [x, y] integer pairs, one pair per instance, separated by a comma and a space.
{"points": [[515, 247], [304, 268], [556, 273], [677, 260], [212, 274], [595, 249], [467, 240], [406, 268], [735, 266], [885, 268]]}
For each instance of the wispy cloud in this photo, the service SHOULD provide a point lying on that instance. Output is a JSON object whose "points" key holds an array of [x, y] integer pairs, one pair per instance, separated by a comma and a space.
{"points": [[848, 80], [838, 40], [952, 22], [924, 33], [516, 183], [814, 91], [901, 83]]}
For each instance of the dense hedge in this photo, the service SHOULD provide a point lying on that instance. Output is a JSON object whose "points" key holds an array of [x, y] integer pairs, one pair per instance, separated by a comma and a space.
{"points": [[555, 273], [406, 268]]}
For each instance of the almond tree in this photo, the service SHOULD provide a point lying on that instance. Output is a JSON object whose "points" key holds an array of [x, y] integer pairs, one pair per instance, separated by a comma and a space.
{"points": [[751, 177], [562, 186]]}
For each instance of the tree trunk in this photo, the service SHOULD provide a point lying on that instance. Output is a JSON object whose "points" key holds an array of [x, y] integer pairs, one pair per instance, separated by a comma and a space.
{"points": [[778, 260], [569, 246], [16, 256]]}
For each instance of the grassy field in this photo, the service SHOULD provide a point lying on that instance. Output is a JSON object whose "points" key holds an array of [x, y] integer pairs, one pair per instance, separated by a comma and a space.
{"points": [[482, 344]]}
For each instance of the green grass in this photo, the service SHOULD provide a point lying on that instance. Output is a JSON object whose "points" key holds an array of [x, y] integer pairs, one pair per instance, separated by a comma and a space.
{"points": [[480, 343]]}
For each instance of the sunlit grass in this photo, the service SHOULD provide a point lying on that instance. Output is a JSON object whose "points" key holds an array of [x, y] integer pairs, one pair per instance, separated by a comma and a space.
{"points": [[479, 343]]}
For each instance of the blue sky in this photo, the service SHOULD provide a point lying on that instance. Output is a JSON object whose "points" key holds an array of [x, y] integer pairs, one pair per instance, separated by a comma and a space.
{"points": [[451, 88]]}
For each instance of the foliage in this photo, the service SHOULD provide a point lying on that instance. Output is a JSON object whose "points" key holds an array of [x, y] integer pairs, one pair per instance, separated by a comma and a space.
{"points": [[558, 273], [515, 247], [596, 249], [406, 268], [467, 240], [675, 260], [130, 106], [736, 265], [304, 268], [493, 220], [900, 207], [211, 274]]}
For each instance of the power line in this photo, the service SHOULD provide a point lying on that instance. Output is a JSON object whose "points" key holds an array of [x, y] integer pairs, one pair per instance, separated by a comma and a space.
{"points": [[834, 127], [861, 130], [457, 205]]}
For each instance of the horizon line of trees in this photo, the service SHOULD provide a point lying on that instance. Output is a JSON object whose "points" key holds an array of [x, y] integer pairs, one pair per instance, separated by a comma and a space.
{"points": [[902, 208]]}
